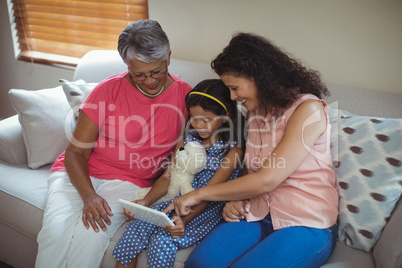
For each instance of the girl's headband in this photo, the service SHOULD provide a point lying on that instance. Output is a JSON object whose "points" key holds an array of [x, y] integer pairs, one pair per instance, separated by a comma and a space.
{"points": [[209, 96]]}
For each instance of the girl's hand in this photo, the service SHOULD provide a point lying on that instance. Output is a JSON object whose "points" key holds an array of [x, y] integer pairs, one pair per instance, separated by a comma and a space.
{"points": [[235, 211], [176, 231], [129, 215]]}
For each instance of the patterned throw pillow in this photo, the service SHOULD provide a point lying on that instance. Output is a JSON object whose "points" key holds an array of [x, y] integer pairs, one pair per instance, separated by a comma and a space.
{"points": [[76, 92], [367, 154]]}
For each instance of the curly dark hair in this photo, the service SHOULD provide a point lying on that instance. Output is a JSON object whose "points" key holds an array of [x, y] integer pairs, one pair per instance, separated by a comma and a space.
{"points": [[279, 77]]}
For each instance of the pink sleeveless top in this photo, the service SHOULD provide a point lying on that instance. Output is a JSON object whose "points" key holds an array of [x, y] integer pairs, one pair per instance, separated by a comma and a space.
{"points": [[306, 198], [136, 134]]}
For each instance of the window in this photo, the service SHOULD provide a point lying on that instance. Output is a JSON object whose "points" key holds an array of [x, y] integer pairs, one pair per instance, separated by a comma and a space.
{"points": [[62, 31]]}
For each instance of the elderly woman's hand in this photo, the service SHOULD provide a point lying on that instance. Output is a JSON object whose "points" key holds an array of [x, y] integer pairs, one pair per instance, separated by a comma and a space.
{"points": [[235, 211], [96, 212]]}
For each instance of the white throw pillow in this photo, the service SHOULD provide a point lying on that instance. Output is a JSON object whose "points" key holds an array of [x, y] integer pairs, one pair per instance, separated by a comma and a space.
{"points": [[76, 92], [367, 154], [43, 115]]}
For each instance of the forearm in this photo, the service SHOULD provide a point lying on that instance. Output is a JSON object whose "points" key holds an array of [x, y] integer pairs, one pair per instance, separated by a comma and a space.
{"points": [[77, 169], [161, 185], [95, 211], [221, 175], [242, 188], [290, 152], [158, 190]]}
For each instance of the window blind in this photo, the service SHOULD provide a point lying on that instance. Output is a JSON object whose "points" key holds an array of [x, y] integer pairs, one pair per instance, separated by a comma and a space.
{"points": [[62, 31]]}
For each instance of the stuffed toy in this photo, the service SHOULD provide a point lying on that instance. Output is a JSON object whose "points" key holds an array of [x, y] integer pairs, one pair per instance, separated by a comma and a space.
{"points": [[190, 160]]}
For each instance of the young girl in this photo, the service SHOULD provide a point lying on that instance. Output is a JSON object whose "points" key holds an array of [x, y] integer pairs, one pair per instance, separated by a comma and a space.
{"points": [[213, 116]]}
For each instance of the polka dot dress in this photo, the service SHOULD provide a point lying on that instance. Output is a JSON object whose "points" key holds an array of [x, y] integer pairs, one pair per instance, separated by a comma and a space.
{"points": [[161, 247]]}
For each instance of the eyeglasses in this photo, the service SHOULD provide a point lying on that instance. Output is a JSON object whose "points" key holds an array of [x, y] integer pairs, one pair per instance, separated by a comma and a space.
{"points": [[153, 75]]}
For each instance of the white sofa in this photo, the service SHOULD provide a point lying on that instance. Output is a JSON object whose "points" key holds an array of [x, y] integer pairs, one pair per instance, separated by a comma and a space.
{"points": [[23, 189]]}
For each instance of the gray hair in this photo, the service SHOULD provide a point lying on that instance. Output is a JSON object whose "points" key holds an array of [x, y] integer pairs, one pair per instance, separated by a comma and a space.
{"points": [[143, 40]]}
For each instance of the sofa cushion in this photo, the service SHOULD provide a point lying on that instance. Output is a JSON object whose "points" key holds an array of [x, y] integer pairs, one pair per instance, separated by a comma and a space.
{"points": [[76, 92], [367, 159], [345, 256], [388, 250], [25, 183], [23, 197], [42, 115], [12, 148]]}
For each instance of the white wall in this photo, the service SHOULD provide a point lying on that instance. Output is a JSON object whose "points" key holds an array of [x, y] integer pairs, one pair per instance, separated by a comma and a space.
{"points": [[351, 42]]}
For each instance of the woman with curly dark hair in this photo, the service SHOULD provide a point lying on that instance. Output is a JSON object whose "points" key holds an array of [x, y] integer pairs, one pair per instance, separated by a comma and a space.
{"points": [[283, 211], [279, 78]]}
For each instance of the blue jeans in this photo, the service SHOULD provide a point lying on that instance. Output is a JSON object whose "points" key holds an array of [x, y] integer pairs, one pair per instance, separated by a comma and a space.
{"points": [[256, 244]]}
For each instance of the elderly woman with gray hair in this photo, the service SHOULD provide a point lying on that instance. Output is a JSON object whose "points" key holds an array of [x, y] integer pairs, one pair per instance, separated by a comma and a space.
{"points": [[126, 129]]}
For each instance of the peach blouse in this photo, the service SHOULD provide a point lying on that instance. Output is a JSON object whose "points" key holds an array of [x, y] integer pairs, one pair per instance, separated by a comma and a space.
{"points": [[306, 198]]}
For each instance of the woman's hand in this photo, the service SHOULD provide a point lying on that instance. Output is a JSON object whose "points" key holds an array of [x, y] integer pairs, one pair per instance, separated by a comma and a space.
{"points": [[235, 211], [129, 215], [183, 204], [96, 212], [176, 231]]}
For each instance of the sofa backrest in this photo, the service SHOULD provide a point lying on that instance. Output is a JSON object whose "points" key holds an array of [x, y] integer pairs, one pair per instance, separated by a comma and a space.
{"points": [[366, 102], [100, 64], [97, 65]]}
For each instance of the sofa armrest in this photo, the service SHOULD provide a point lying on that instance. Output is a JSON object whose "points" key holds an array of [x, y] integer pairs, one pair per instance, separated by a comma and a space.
{"points": [[388, 250], [12, 147]]}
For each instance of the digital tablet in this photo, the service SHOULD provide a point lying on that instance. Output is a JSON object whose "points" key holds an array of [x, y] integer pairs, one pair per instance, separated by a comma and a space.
{"points": [[147, 214]]}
